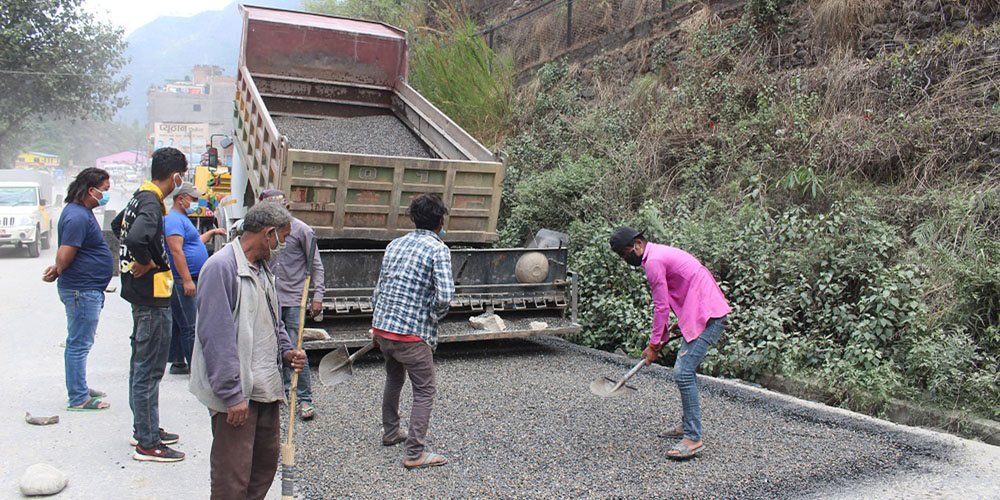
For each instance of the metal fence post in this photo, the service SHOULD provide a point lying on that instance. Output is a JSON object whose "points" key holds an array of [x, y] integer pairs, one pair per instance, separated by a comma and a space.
{"points": [[569, 23], [491, 50]]}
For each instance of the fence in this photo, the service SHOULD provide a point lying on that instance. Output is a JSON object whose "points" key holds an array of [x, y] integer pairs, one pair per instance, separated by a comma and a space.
{"points": [[552, 27]]}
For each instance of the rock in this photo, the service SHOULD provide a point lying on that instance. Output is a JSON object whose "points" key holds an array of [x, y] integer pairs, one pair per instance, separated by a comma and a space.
{"points": [[42, 479], [538, 325], [40, 418], [489, 322], [314, 334]]}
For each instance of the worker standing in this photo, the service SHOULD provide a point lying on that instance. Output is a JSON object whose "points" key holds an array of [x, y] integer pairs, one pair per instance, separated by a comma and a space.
{"points": [[240, 347], [290, 267], [147, 284], [187, 253], [680, 283], [84, 268], [413, 294]]}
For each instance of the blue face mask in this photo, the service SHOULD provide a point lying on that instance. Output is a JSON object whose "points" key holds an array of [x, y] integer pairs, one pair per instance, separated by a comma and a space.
{"points": [[441, 233], [192, 210], [104, 199]]}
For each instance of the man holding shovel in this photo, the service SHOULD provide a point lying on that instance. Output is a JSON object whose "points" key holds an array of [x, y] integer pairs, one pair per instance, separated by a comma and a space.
{"points": [[680, 283], [413, 293]]}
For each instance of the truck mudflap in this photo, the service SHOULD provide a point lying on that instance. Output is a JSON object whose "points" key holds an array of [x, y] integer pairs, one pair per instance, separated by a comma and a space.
{"points": [[457, 328]]}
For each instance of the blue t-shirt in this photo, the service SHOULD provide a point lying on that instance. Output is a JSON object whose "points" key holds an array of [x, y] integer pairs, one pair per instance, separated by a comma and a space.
{"points": [[92, 267], [178, 224]]}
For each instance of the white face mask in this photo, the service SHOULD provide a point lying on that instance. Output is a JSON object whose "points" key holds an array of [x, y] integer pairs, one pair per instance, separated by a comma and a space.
{"points": [[276, 251], [177, 185]]}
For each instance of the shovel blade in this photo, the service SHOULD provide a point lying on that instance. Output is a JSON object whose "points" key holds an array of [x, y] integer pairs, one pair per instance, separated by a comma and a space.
{"points": [[335, 367], [604, 386]]}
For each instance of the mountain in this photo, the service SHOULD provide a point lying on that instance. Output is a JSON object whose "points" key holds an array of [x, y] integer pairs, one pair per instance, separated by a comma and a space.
{"points": [[167, 48]]}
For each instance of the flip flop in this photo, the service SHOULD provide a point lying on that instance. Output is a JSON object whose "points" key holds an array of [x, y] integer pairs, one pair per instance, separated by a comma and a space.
{"points": [[307, 411], [684, 452], [676, 432], [427, 460], [96, 394], [92, 404]]}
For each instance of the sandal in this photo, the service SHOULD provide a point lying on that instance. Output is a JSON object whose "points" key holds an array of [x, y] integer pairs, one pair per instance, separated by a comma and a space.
{"points": [[426, 460], [96, 394], [684, 452], [400, 437], [307, 411], [676, 432], [92, 404]]}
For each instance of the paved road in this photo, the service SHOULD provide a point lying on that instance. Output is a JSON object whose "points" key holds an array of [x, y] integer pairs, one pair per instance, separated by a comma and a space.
{"points": [[515, 418]]}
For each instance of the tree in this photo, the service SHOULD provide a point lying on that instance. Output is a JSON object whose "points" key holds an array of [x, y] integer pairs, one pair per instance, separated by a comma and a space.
{"points": [[56, 61]]}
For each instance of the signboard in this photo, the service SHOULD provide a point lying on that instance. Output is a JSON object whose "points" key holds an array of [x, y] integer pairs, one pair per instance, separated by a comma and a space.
{"points": [[186, 137]]}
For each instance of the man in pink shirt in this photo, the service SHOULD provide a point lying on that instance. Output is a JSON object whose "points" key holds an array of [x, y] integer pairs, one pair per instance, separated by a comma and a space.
{"points": [[680, 283]]}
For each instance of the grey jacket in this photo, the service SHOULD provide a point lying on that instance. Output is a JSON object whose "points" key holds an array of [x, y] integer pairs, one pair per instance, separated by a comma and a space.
{"points": [[221, 374]]}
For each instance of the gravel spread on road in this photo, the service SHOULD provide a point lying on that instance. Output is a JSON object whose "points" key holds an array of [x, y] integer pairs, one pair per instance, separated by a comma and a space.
{"points": [[382, 135], [516, 419]]}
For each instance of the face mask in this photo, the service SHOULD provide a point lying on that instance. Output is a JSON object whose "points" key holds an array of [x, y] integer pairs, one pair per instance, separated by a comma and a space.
{"points": [[276, 251], [191, 210], [177, 185], [633, 259], [441, 233], [104, 199]]}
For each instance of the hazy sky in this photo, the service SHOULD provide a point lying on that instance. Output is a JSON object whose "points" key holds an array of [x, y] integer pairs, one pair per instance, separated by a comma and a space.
{"points": [[131, 14]]}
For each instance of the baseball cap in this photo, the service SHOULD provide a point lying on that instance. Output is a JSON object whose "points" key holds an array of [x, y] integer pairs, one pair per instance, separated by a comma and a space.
{"points": [[623, 237], [272, 195], [188, 189]]}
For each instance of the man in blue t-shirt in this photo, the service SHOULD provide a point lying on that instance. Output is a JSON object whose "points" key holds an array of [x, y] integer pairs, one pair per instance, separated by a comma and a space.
{"points": [[187, 253], [83, 267]]}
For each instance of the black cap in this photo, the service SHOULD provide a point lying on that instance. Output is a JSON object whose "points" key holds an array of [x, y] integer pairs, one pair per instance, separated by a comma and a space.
{"points": [[623, 237]]}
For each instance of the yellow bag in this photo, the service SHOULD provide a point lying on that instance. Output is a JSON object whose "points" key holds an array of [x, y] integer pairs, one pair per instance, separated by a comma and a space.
{"points": [[163, 284]]}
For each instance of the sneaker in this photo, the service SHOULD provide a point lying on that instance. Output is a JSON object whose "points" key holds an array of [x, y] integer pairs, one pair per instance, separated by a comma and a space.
{"points": [[165, 438], [161, 453], [180, 369]]}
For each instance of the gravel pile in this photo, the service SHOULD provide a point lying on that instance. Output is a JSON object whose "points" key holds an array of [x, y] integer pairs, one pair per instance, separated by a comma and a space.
{"points": [[382, 135], [516, 420]]}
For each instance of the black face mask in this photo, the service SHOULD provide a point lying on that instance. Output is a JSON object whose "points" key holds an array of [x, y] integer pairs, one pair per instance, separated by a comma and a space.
{"points": [[633, 259]]}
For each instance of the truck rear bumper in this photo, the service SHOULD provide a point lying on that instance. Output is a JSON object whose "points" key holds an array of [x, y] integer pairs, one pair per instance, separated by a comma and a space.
{"points": [[354, 332]]}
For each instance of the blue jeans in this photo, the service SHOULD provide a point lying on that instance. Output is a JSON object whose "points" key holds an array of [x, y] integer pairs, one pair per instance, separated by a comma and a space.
{"points": [[183, 311], [290, 315], [150, 345], [83, 309], [688, 358]]}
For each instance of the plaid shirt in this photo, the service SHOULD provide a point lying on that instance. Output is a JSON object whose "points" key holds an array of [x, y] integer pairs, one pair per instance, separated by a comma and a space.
{"points": [[415, 287]]}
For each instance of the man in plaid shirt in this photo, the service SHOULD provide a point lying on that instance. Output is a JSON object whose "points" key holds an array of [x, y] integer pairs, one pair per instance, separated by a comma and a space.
{"points": [[413, 293]]}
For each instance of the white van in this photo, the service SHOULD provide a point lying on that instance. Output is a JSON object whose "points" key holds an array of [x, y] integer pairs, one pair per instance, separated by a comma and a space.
{"points": [[23, 219]]}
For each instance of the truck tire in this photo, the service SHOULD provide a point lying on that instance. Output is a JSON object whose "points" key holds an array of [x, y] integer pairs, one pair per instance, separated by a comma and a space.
{"points": [[46, 241], [33, 250]]}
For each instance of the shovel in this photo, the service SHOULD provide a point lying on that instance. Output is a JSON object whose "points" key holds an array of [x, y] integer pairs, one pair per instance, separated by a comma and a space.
{"points": [[337, 366], [606, 386]]}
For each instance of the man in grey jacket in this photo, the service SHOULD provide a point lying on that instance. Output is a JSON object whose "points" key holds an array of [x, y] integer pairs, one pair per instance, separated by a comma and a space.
{"points": [[238, 353]]}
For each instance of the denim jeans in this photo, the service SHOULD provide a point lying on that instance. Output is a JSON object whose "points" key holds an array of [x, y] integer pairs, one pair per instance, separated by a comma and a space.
{"points": [[83, 309], [688, 358], [183, 311], [303, 392], [150, 345]]}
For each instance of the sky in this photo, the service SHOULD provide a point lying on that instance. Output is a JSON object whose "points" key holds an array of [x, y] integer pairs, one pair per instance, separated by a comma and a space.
{"points": [[132, 14]]}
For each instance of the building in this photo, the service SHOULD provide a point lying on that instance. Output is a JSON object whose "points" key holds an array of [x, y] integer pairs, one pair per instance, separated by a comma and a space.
{"points": [[37, 160], [132, 158], [185, 114]]}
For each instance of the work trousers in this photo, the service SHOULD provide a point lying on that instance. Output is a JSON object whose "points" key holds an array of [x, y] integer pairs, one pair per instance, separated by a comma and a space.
{"points": [[245, 458], [688, 358], [417, 360]]}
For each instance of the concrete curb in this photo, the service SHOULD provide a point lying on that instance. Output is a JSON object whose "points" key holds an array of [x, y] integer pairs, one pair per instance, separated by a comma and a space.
{"points": [[804, 408]]}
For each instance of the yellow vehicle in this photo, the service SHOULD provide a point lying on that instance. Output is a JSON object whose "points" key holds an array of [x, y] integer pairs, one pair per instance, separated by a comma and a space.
{"points": [[215, 183]]}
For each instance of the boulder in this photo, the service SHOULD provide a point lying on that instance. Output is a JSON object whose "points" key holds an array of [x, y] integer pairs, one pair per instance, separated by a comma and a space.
{"points": [[42, 479], [489, 322]]}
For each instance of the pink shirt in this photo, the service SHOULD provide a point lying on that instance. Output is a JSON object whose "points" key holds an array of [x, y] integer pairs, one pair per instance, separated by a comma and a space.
{"points": [[679, 282]]}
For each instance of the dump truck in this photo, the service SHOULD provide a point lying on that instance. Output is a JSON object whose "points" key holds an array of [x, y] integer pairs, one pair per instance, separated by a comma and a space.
{"points": [[323, 112]]}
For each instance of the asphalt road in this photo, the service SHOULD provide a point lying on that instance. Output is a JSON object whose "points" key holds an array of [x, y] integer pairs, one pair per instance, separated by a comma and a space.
{"points": [[516, 419]]}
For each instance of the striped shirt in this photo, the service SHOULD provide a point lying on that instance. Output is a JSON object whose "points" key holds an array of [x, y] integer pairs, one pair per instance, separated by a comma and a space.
{"points": [[415, 287]]}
